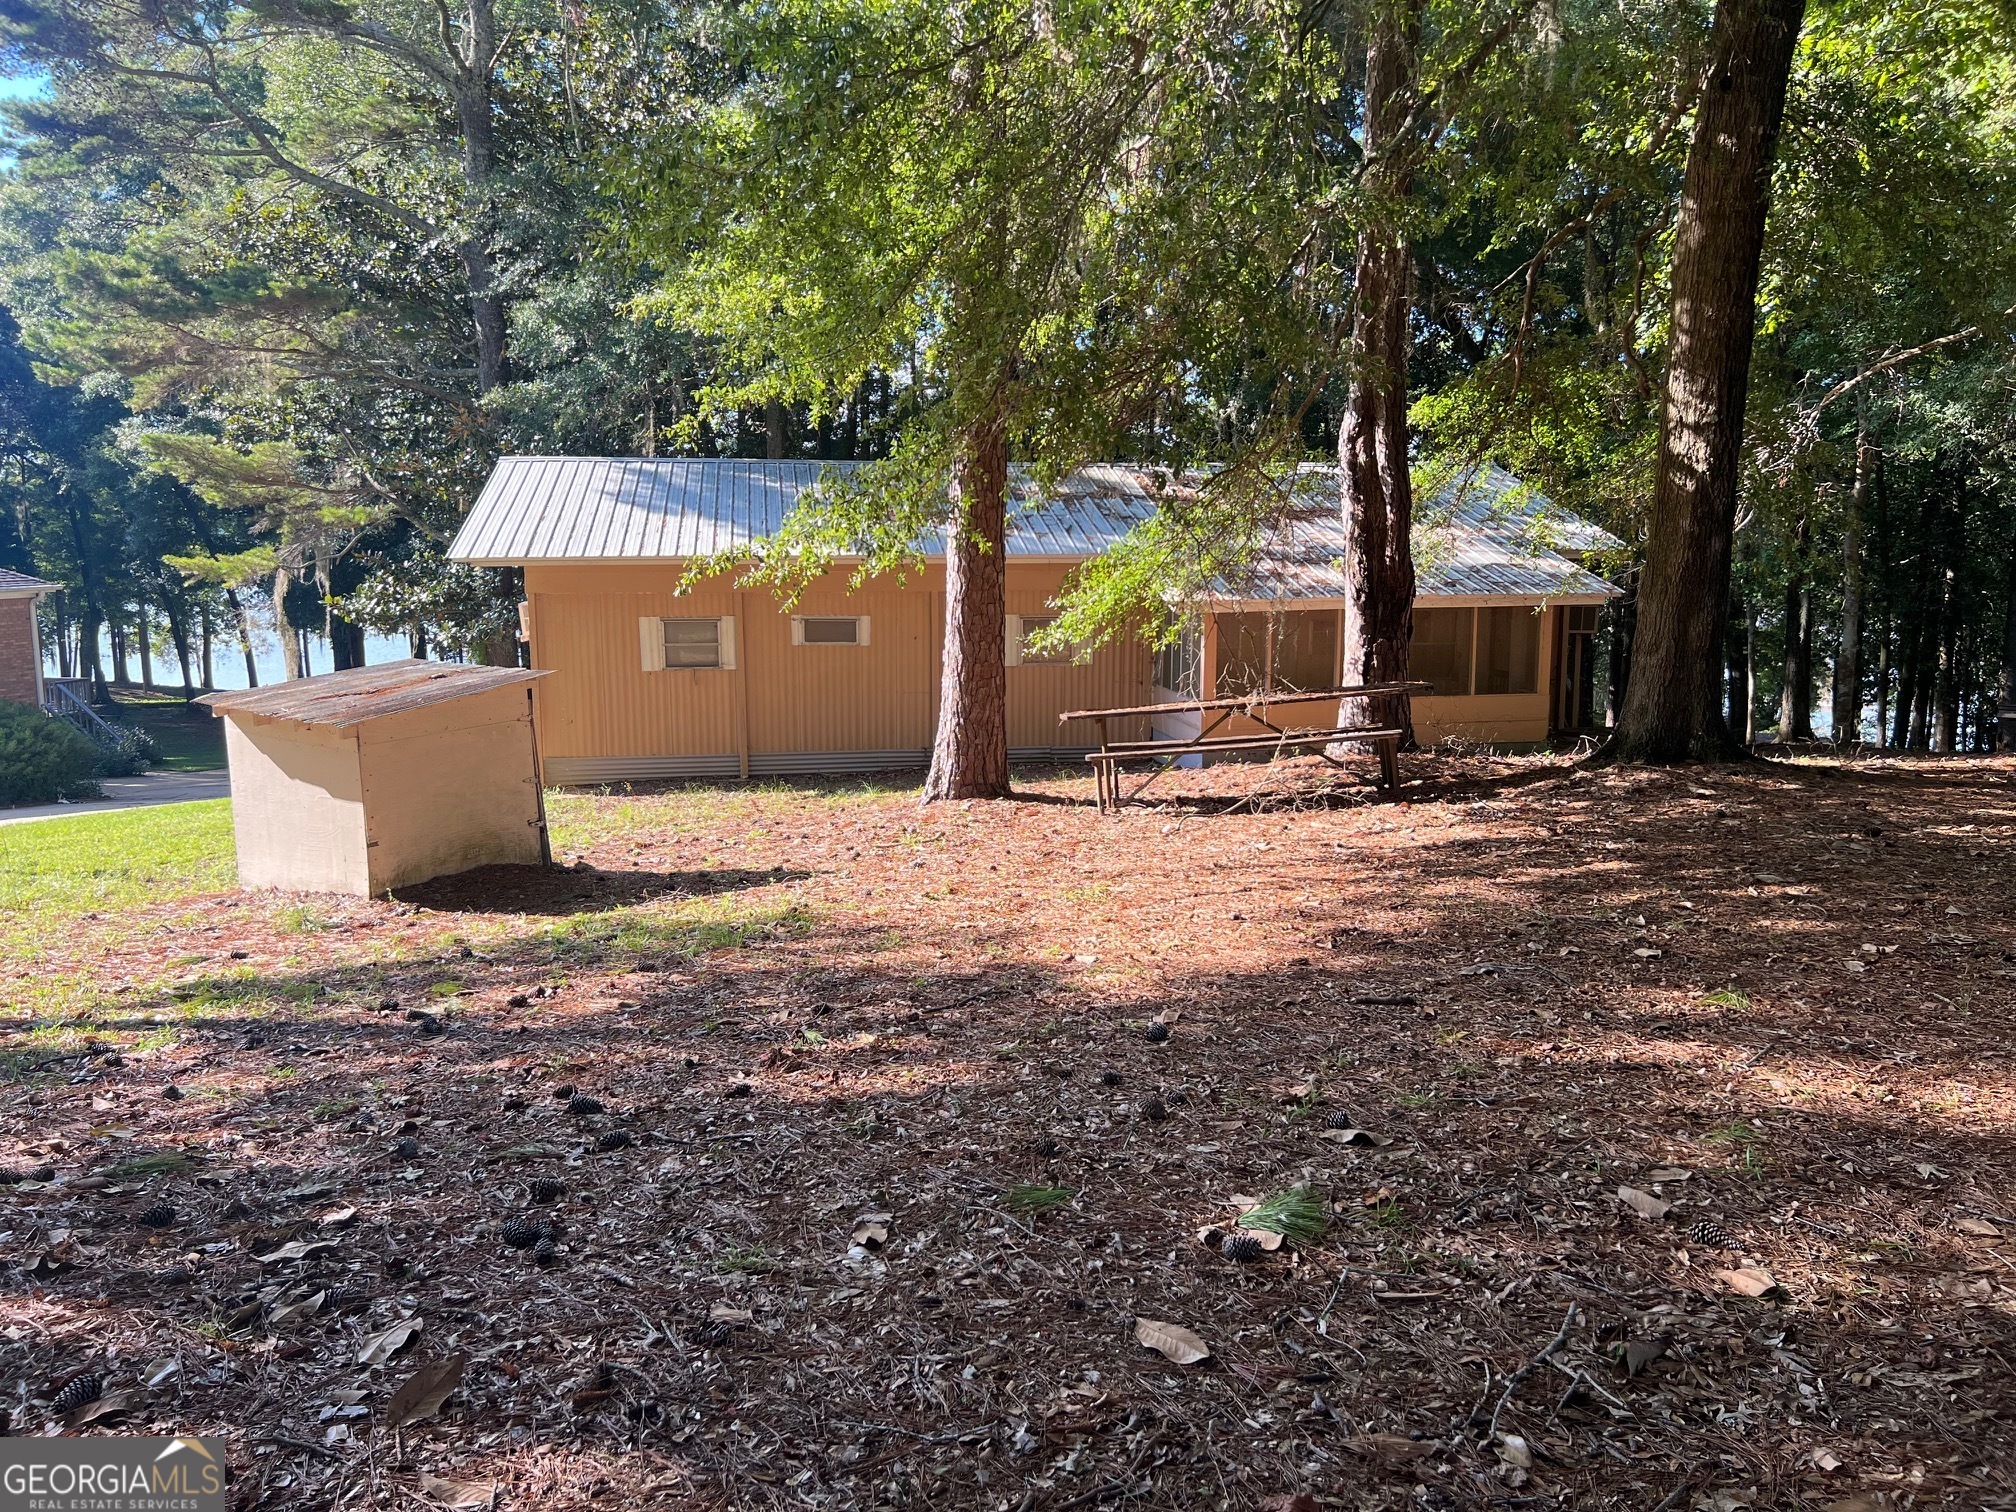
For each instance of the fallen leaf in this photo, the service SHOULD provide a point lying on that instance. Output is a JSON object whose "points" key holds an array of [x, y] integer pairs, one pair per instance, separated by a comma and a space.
{"points": [[112, 1404], [1827, 1460], [1669, 1173], [1648, 955], [424, 1392], [1854, 1504], [1171, 1340], [300, 1249], [458, 1493], [381, 1347], [1644, 1204], [1356, 1137], [1301, 1501], [296, 1311], [1514, 1451], [721, 1312], [1391, 1446], [872, 1231], [1979, 1227], [160, 1370], [1642, 1352], [1751, 1280], [337, 1218]]}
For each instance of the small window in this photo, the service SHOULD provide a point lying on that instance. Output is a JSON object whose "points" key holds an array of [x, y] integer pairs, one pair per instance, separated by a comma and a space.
{"points": [[1179, 665], [1439, 654], [829, 630], [1508, 650], [1022, 628], [674, 645]]}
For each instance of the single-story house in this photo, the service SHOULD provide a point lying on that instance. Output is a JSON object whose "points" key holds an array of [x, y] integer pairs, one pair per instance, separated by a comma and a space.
{"points": [[21, 637], [722, 680]]}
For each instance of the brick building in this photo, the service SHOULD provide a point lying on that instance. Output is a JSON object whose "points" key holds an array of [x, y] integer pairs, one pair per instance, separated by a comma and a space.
{"points": [[20, 638]]}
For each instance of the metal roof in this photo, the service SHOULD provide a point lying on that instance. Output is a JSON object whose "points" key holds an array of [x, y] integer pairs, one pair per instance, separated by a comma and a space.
{"points": [[340, 700], [1479, 535], [12, 582]]}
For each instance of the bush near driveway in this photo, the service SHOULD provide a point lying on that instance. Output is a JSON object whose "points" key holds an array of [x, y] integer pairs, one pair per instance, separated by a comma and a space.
{"points": [[43, 760]]}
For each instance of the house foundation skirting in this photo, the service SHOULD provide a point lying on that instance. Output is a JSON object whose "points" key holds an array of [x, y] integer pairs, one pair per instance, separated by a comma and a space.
{"points": [[593, 771]]}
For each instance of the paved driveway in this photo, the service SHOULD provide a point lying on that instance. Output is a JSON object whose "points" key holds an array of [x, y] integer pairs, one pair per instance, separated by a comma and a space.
{"points": [[132, 792]]}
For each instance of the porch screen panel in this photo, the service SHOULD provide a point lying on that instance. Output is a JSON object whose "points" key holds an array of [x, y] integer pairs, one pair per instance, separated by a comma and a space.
{"points": [[1440, 651], [1305, 650], [1242, 655], [1508, 650]]}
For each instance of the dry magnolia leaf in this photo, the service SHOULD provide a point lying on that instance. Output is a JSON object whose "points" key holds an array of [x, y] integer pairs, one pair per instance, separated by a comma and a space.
{"points": [[1642, 1352], [381, 1347], [1644, 1204], [1827, 1460], [294, 1312], [1751, 1280], [721, 1312], [872, 1231], [112, 1404], [459, 1494], [1172, 1341], [1514, 1451], [1668, 1173], [1391, 1446], [337, 1218], [424, 1392], [300, 1249], [1979, 1227]]}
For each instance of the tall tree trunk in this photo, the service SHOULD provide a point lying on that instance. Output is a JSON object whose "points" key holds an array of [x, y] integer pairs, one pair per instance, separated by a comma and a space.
{"points": [[291, 660], [2005, 713], [1623, 632], [243, 615], [1738, 668], [1795, 693], [1671, 712], [122, 674], [143, 634], [776, 429], [474, 106], [209, 636], [1846, 713], [1945, 713], [969, 758], [1883, 691], [1377, 490], [178, 633], [64, 662]]}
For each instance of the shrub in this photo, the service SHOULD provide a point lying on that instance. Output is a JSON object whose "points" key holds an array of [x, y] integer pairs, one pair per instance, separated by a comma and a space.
{"points": [[133, 752], [43, 759]]}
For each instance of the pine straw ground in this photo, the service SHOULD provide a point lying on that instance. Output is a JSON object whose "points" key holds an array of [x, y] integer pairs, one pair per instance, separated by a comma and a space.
{"points": [[1777, 997]]}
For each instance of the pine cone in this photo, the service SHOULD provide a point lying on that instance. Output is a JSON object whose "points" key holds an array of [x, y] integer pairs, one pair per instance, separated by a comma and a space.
{"points": [[523, 1233], [545, 1252], [1710, 1235], [176, 1275], [160, 1215], [81, 1391], [582, 1106], [1154, 1110], [1048, 1149], [615, 1139], [564, 1091], [343, 1298], [1339, 1119], [1157, 1033], [1241, 1247], [1109, 1078], [546, 1189], [406, 1149]]}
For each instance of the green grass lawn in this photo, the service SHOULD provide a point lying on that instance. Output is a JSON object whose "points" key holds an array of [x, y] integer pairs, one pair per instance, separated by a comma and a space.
{"points": [[190, 740], [54, 870]]}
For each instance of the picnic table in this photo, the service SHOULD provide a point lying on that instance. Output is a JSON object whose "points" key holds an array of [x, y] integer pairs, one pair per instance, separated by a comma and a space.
{"points": [[1382, 732]]}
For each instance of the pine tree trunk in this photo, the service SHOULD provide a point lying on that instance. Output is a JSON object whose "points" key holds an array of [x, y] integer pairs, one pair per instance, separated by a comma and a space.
{"points": [[474, 112], [1945, 713], [1846, 713], [1671, 712], [209, 647], [1883, 692], [292, 663], [969, 757], [1795, 694], [1739, 675], [243, 616], [2005, 721], [143, 634], [178, 632], [1377, 490]]}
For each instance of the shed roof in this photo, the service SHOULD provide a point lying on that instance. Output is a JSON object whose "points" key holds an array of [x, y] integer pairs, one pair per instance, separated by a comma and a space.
{"points": [[340, 700], [14, 583], [1484, 534]]}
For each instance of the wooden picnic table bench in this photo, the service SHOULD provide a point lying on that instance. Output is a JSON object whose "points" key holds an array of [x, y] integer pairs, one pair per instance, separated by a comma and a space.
{"points": [[1383, 734]]}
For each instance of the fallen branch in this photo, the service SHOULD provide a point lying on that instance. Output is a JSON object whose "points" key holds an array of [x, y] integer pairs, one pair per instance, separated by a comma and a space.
{"points": [[1513, 1381]]}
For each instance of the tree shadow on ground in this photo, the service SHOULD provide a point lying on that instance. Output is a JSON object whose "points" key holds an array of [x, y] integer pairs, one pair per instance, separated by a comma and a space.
{"points": [[569, 890]]}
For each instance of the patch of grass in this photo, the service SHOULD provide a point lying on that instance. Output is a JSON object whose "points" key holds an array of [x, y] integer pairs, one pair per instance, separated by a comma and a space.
{"points": [[1297, 1213], [745, 1260], [1724, 997], [1030, 1198], [148, 1165], [336, 1107], [299, 918], [726, 921], [53, 871], [1417, 1099], [188, 740], [1738, 1133]]}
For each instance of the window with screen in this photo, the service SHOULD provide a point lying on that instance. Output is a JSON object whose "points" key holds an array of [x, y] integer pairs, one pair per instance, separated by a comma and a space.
{"points": [[1440, 651], [1508, 650], [830, 630], [1179, 665], [1024, 628], [692, 643]]}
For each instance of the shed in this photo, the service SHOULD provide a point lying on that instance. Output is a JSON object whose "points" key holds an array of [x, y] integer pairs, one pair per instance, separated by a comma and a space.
{"points": [[20, 637], [380, 777]]}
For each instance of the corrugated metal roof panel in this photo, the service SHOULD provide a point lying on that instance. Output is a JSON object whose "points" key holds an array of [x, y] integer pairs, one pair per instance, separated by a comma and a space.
{"points": [[1484, 533], [338, 700]]}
